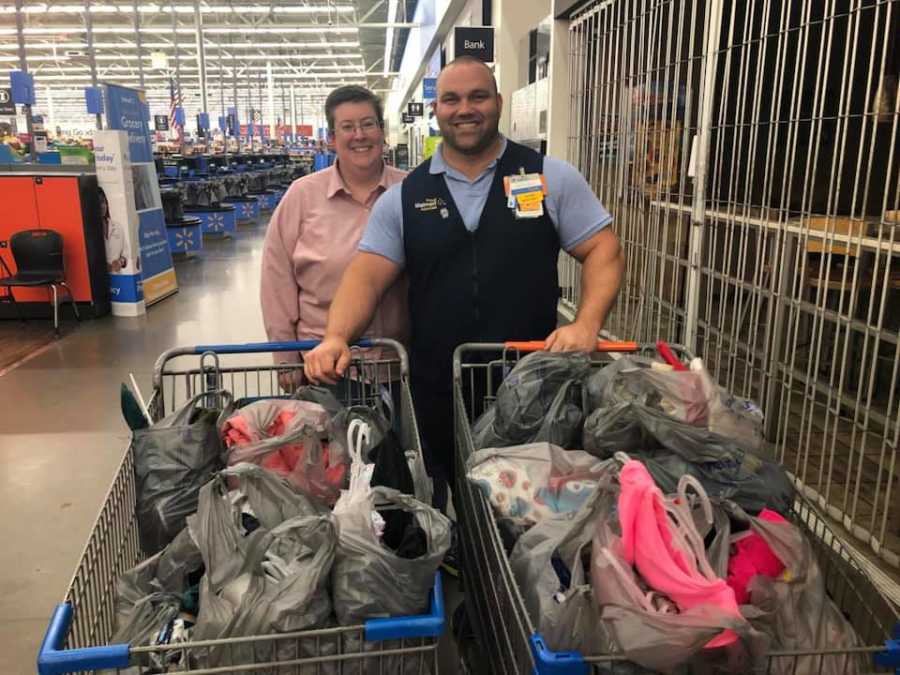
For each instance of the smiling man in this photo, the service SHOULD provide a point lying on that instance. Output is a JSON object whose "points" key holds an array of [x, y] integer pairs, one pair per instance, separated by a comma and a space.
{"points": [[478, 229]]}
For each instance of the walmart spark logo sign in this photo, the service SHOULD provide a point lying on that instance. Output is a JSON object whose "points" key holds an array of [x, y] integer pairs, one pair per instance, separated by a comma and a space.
{"points": [[184, 239], [215, 223]]}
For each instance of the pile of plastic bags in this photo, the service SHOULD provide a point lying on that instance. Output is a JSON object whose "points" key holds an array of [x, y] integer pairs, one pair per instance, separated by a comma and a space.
{"points": [[309, 522], [643, 523]]}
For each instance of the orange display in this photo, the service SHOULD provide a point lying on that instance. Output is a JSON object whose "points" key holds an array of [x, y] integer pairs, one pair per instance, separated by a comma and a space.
{"points": [[58, 203]]}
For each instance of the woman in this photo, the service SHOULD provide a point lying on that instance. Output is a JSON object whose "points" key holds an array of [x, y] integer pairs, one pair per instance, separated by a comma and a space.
{"points": [[115, 239], [316, 228]]}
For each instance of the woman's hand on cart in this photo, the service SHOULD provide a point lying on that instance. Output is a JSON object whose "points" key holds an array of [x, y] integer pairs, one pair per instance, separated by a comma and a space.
{"points": [[291, 380], [327, 362]]}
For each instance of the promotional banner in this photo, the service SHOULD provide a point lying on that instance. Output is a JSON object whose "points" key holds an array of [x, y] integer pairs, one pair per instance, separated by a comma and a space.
{"points": [[125, 110], [120, 222]]}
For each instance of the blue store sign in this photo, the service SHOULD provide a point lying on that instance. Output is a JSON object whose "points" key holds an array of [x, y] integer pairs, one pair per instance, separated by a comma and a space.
{"points": [[429, 88]]}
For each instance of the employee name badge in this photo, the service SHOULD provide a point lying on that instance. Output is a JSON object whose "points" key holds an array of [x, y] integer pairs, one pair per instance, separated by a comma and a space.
{"points": [[525, 194]]}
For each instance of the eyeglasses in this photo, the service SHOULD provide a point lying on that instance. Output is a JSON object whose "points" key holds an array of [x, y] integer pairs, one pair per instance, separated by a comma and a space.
{"points": [[367, 126]]}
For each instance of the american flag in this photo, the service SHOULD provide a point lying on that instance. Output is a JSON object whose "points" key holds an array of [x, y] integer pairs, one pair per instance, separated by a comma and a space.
{"points": [[175, 101]]}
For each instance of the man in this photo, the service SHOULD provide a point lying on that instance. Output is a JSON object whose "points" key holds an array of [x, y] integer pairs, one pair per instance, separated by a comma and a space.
{"points": [[314, 232], [482, 265]]}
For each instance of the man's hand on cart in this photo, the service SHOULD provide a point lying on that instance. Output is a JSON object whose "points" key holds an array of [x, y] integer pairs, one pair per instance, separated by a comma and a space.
{"points": [[327, 362], [573, 337]]}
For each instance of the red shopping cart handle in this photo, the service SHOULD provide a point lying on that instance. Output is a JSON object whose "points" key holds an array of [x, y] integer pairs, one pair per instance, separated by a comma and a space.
{"points": [[602, 346], [669, 356]]}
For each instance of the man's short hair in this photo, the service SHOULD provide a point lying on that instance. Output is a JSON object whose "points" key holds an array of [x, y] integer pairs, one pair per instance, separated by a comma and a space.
{"points": [[352, 93], [468, 60]]}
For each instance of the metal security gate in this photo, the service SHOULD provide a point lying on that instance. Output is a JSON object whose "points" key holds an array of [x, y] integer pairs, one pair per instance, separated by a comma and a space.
{"points": [[748, 150]]}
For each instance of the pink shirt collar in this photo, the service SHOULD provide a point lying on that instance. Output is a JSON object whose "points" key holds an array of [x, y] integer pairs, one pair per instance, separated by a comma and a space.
{"points": [[336, 181]]}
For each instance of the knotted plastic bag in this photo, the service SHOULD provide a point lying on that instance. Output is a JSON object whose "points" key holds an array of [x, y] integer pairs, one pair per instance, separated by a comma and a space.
{"points": [[794, 609], [637, 403], [172, 460], [271, 579], [539, 400], [292, 439], [151, 595]]}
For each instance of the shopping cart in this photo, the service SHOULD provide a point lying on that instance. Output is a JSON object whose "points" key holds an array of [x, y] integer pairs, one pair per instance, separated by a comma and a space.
{"points": [[507, 632], [86, 619]]}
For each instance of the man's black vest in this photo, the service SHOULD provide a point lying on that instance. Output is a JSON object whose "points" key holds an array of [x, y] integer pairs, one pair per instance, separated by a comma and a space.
{"points": [[495, 284]]}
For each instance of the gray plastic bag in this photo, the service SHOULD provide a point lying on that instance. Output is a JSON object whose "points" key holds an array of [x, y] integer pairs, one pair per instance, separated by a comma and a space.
{"points": [[794, 610], [754, 483], [631, 427], [272, 580], [166, 572], [262, 600], [149, 596], [172, 459], [547, 562], [539, 400], [216, 527], [369, 580], [646, 627], [293, 439], [690, 396]]}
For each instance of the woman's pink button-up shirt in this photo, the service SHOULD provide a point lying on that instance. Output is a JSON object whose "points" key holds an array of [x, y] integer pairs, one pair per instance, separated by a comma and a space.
{"points": [[312, 236]]}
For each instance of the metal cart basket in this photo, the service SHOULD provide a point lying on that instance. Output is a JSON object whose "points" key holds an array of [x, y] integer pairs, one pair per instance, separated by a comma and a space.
{"points": [[80, 628], [507, 632]]}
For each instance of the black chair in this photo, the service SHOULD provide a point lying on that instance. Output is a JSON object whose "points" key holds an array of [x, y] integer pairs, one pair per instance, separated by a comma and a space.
{"points": [[39, 262]]}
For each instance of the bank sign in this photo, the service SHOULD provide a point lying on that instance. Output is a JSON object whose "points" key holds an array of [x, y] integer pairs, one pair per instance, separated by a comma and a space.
{"points": [[474, 41]]}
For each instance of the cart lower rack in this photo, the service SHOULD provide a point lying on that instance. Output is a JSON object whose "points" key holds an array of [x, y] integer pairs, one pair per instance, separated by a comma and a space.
{"points": [[506, 630], [80, 628]]}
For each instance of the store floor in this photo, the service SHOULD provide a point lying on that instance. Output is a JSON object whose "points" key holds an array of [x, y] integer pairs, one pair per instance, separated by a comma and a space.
{"points": [[62, 435]]}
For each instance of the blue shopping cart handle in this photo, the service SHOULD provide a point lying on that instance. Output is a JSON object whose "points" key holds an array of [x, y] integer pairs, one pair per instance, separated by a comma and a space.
{"points": [[548, 662], [53, 659], [256, 347], [426, 625], [890, 657]]}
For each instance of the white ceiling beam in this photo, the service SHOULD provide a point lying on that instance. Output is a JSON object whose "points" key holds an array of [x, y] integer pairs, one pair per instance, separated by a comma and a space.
{"points": [[371, 11], [34, 46]]}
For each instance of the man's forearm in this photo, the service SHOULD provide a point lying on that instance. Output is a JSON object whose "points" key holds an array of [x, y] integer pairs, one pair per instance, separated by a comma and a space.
{"points": [[601, 276], [353, 307]]}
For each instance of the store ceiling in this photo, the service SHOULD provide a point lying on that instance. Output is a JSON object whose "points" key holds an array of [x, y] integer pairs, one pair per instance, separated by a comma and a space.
{"points": [[311, 46]]}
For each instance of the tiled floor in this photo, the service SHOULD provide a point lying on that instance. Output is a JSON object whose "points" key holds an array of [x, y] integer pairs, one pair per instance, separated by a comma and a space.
{"points": [[62, 435]]}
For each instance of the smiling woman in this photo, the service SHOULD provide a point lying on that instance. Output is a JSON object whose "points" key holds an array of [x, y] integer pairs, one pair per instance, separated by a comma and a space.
{"points": [[316, 228]]}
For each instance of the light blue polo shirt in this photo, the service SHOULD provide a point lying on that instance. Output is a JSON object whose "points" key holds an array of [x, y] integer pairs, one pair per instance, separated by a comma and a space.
{"points": [[571, 204]]}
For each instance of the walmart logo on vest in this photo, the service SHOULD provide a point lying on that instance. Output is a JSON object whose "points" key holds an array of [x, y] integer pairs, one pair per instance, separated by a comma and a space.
{"points": [[432, 204]]}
